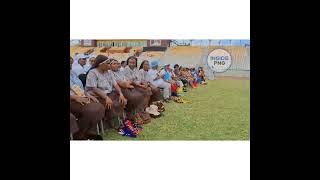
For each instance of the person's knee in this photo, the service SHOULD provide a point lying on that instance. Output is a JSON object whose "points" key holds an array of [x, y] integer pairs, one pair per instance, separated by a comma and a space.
{"points": [[95, 109], [155, 90]]}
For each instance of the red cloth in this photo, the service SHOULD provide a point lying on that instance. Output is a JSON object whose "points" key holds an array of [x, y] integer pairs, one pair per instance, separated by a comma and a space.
{"points": [[173, 87]]}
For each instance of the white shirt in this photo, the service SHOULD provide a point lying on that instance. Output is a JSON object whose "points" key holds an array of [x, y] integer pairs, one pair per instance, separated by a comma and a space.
{"points": [[162, 72], [152, 75], [78, 69], [87, 67]]}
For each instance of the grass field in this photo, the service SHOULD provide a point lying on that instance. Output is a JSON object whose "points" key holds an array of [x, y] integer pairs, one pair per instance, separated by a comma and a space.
{"points": [[217, 111]]}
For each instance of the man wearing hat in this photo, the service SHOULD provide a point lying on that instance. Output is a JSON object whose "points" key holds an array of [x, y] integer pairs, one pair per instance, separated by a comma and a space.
{"points": [[157, 80]]}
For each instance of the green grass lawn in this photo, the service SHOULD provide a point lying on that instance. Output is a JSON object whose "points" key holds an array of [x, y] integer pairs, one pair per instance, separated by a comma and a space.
{"points": [[217, 111]]}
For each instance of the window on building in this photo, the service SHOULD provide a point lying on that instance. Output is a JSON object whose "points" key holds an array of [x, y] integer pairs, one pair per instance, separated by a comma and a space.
{"points": [[155, 43]]}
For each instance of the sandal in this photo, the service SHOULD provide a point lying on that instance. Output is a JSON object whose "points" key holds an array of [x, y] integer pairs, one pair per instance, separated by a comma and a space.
{"points": [[160, 106], [146, 117], [138, 119]]}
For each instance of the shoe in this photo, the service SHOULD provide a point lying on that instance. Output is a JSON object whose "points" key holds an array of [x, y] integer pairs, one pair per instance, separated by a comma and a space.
{"points": [[121, 132], [178, 100], [140, 123], [138, 120], [155, 116], [79, 136], [184, 89], [160, 106], [129, 133], [174, 94]]}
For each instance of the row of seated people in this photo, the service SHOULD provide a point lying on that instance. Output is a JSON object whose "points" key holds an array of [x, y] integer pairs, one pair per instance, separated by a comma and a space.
{"points": [[111, 90]]}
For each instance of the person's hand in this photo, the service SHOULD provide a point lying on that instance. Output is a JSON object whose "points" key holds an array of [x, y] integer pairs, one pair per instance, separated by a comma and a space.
{"points": [[143, 86], [82, 100], [94, 99], [130, 87], [122, 100], [108, 103]]}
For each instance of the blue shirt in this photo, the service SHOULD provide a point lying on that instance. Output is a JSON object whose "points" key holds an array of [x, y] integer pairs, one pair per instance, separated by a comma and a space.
{"points": [[167, 76], [74, 80]]}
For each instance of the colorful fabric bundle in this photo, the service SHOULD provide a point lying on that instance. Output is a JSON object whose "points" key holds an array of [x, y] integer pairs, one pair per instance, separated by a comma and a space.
{"points": [[130, 129]]}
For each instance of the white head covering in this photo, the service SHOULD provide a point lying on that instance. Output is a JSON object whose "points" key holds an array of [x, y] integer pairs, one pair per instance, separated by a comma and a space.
{"points": [[92, 56], [88, 65], [76, 58], [89, 57]]}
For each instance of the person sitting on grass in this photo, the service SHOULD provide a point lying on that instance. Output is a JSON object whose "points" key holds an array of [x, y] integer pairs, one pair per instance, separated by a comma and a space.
{"points": [[177, 72], [174, 77], [188, 77], [157, 80], [167, 77], [129, 91], [101, 84], [85, 108], [195, 75], [79, 65], [146, 79], [202, 75], [132, 73]]}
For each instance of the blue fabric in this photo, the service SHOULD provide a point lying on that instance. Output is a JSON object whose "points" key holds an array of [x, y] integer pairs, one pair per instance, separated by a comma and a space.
{"points": [[74, 79], [167, 76], [195, 75]]}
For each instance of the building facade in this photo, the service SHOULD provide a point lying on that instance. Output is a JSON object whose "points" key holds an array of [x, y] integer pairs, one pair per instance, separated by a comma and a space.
{"points": [[125, 43]]}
